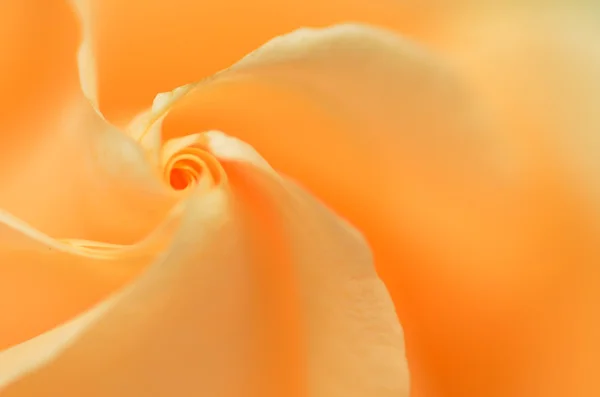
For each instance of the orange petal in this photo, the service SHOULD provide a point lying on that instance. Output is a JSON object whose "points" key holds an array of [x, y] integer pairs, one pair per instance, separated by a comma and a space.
{"points": [[46, 281], [63, 149], [541, 80], [151, 46], [37, 69], [386, 134], [264, 292], [463, 225], [65, 173]]}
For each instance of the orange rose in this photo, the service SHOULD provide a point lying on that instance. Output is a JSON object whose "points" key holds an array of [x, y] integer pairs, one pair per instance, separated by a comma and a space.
{"points": [[164, 257], [137, 263]]}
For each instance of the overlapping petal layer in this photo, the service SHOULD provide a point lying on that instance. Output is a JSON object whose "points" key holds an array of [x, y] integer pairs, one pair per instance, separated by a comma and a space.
{"points": [[263, 292], [496, 224], [175, 43], [64, 171], [389, 135], [492, 198]]}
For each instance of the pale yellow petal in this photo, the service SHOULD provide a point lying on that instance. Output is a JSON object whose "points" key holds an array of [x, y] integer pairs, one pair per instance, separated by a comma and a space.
{"points": [[264, 292], [86, 61]]}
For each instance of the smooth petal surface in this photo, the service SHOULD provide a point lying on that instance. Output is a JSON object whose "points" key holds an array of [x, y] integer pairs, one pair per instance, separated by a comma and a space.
{"points": [[151, 46], [264, 292], [388, 135], [496, 280], [64, 173], [472, 231], [541, 80]]}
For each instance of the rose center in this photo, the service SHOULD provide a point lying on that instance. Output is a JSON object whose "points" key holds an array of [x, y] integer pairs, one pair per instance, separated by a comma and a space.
{"points": [[189, 163]]}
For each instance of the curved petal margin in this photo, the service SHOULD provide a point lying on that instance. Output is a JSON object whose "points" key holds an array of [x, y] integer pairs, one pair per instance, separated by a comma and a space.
{"points": [[264, 292]]}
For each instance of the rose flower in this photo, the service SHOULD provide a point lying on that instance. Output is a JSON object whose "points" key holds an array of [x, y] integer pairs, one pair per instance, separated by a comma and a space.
{"points": [[313, 198]]}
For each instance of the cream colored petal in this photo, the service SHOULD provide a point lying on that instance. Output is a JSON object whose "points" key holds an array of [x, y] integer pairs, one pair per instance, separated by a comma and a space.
{"points": [[146, 127], [380, 83], [85, 56], [341, 108], [264, 292]]}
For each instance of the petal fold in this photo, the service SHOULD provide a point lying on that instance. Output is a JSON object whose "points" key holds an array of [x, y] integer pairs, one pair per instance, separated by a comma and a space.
{"points": [[67, 176], [382, 130], [470, 208], [263, 292], [145, 47]]}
